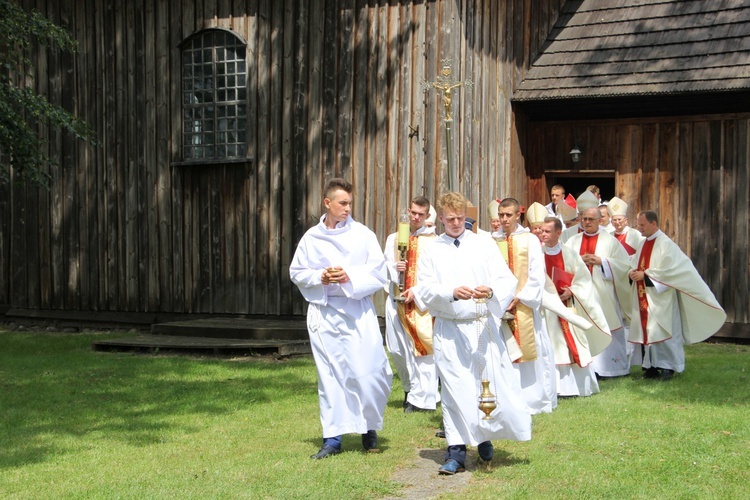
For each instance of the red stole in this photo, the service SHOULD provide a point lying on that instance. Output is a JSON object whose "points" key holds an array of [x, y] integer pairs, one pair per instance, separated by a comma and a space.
{"points": [[643, 264], [552, 261], [588, 245], [621, 238]]}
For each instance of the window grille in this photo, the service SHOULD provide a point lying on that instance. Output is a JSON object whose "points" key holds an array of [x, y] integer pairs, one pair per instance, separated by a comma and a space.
{"points": [[214, 91]]}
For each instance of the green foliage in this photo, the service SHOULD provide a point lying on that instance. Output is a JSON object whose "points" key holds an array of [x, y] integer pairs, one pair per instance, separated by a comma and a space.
{"points": [[22, 111]]}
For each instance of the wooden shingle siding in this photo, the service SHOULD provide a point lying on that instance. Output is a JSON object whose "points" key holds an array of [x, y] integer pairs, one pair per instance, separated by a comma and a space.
{"points": [[335, 89], [617, 48]]}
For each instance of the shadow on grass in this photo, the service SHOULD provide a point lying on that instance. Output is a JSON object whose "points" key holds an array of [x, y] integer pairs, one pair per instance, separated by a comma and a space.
{"points": [[53, 390], [715, 374]]}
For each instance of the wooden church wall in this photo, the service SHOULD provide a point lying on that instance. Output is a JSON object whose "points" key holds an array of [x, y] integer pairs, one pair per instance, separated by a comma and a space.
{"points": [[336, 89], [692, 170]]}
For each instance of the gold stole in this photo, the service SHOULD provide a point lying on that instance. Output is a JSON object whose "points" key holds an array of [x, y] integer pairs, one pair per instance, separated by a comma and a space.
{"points": [[417, 324], [516, 255]]}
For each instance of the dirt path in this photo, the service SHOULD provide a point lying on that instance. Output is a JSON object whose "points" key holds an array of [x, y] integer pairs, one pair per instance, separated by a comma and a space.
{"points": [[422, 480]]}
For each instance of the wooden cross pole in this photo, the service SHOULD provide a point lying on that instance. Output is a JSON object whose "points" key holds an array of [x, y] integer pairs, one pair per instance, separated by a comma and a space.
{"points": [[448, 85]]}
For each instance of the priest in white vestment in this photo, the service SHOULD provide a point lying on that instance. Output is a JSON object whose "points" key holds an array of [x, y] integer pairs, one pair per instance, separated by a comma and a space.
{"points": [[523, 253], [630, 239], [608, 264], [575, 321], [465, 284], [337, 266], [408, 331], [671, 303]]}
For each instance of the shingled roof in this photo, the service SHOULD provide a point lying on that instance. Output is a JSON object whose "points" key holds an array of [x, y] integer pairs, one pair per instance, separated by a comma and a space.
{"points": [[619, 48]]}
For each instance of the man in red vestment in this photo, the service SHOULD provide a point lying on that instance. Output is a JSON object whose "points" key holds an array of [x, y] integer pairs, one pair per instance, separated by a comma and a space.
{"points": [[672, 304]]}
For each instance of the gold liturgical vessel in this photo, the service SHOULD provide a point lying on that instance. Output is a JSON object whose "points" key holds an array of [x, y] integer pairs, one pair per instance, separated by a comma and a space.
{"points": [[402, 241], [487, 400]]}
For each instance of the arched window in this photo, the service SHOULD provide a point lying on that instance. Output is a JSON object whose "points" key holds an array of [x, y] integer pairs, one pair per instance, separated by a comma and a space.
{"points": [[214, 97]]}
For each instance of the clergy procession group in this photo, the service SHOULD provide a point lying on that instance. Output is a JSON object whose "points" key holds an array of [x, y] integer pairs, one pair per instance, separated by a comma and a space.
{"points": [[539, 311]]}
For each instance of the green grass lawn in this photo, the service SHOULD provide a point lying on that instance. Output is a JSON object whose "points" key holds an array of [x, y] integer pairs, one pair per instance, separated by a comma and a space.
{"points": [[82, 424]]}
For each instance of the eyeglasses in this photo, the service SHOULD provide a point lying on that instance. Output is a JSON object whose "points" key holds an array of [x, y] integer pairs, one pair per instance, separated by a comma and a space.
{"points": [[590, 219]]}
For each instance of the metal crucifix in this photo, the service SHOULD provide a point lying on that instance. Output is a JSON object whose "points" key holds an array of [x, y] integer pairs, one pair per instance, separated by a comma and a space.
{"points": [[448, 85]]}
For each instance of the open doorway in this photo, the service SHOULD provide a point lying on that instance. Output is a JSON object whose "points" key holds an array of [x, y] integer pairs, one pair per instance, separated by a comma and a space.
{"points": [[576, 184]]}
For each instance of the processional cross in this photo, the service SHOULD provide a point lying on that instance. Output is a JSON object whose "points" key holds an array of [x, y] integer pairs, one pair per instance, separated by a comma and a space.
{"points": [[447, 85]]}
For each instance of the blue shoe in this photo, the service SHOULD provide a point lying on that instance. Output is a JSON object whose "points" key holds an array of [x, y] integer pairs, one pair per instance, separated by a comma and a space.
{"points": [[325, 451], [450, 467], [370, 441], [486, 451]]}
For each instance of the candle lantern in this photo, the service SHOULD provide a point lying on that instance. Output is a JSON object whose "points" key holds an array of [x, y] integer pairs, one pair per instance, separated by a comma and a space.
{"points": [[403, 244]]}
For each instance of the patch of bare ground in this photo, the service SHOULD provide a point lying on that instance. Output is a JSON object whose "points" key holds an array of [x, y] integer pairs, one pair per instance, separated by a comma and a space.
{"points": [[421, 479]]}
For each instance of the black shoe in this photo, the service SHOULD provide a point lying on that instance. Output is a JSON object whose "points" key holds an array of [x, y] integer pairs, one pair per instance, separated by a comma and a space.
{"points": [[440, 434], [666, 374], [652, 372], [370, 441], [325, 451], [486, 451], [450, 467]]}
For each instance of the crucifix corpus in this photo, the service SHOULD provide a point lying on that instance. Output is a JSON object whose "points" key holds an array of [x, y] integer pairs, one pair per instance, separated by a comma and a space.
{"points": [[447, 84]]}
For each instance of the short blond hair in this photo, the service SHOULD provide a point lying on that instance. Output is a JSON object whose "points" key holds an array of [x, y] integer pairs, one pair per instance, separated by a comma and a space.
{"points": [[452, 201]]}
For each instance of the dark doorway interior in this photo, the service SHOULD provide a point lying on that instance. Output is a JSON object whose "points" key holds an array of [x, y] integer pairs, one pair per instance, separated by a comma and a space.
{"points": [[575, 184]]}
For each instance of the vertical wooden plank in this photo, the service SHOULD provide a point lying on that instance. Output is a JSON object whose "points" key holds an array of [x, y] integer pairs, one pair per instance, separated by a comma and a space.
{"points": [[739, 221], [650, 166], [701, 233], [302, 213], [162, 243], [344, 89], [114, 110], [275, 212], [668, 165], [392, 183], [431, 99], [149, 215], [176, 208], [416, 125], [727, 215], [132, 158], [404, 67], [375, 216], [328, 72], [244, 195], [84, 175], [263, 154], [96, 187], [360, 110], [683, 187], [713, 210], [57, 257], [287, 197], [70, 201], [314, 174]]}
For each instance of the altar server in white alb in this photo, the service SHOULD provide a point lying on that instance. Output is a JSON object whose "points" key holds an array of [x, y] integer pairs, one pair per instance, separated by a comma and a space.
{"points": [[465, 284], [608, 264], [408, 331], [575, 322], [338, 265], [523, 253], [671, 303]]}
